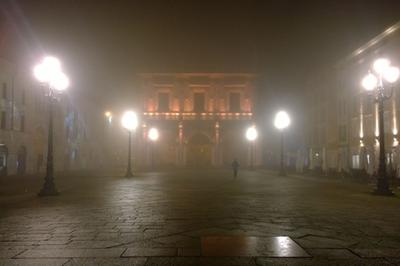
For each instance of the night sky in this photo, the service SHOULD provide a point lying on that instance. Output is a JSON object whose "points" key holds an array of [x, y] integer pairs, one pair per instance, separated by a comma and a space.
{"points": [[104, 43]]}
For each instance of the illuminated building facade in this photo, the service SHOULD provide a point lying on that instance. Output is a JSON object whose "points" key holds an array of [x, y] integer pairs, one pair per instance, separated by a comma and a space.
{"points": [[202, 118], [343, 118]]}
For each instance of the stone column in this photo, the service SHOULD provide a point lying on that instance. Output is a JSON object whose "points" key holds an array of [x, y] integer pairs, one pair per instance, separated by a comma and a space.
{"points": [[217, 160], [181, 159]]}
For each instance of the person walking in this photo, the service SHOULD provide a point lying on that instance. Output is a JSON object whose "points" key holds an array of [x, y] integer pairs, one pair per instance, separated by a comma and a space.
{"points": [[235, 167]]}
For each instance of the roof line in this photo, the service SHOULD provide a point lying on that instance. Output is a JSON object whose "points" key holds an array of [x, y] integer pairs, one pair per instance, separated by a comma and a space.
{"points": [[373, 42]]}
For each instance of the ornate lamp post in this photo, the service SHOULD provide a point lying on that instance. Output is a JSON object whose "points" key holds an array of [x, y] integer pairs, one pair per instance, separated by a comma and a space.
{"points": [[153, 135], [49, 72], [251, 136], [281, 122], [130, 123], [376, 85]]}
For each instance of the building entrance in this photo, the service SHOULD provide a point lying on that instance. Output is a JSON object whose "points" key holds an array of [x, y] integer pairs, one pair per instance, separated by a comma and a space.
{"points": [[199, 151]]}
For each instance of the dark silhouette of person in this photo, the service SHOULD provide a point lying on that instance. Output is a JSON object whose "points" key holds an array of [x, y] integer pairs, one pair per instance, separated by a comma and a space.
{"points": [[235, 167]]}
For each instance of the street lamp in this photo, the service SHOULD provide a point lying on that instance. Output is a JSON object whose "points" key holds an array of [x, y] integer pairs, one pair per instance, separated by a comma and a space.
{"points": [[129, 122], [49, 72], [251, 136], [375, 84], [153, 135], [108, 116], [281, 122]]}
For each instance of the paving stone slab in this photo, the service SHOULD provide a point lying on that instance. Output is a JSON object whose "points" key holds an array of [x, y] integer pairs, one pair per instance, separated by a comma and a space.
{"points": [[149, 252], [322, 242], [179, 241], [320, 262], [91, 244], [225, 246], [329, 253], [9, 253], [189, 252], [107, 262], [200, 262], [378, 253], [71, 253], [33, 262]]}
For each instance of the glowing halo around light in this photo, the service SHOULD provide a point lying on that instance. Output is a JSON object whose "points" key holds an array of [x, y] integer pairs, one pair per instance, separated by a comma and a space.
{"points": [[282, 120], [369, 82], [380, 65], [251, 133], [60, 81], [391, 74], [153, 134], [129, 120], [49, 71]]}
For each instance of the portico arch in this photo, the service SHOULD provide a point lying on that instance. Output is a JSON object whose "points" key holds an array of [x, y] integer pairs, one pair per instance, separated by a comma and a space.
{"points": [[199, 150]]}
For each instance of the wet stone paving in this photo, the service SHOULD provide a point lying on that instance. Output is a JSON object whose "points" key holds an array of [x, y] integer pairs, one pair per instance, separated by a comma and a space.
{"points": [[202, 217]]}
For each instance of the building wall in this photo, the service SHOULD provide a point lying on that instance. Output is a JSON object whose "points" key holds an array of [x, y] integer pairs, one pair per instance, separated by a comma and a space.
{"points": [[24, 126], [345, 135], [210, 133]]}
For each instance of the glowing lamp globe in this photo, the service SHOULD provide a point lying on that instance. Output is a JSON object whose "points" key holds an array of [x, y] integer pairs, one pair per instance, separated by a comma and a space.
{"points": [[41, 74], [153, 134], [251, 133], [369, 82], [47, 69], [391, 74], [129, 120], [52, 63], [282, 120], [380, 65], [59, 81]]}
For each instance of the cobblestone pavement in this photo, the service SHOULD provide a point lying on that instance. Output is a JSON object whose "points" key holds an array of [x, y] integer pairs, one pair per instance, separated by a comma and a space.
{"points": [[200, 218]]}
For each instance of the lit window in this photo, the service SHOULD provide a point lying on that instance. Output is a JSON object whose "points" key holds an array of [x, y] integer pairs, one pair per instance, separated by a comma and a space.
{"points": [[356, 161], [199, 102], [234, 102], [163, 102]]}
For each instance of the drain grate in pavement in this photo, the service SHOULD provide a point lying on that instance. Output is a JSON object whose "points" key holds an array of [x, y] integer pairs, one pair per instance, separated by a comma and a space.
{"points": [[250, 246]]}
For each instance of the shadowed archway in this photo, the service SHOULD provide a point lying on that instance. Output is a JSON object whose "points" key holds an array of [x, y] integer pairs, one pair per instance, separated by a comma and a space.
{"points": [[199, 149]]}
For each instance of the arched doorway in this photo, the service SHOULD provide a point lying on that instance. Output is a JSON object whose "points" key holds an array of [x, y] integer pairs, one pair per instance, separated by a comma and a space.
{"points": [[3, 159], [199, 150], [21, 160]]}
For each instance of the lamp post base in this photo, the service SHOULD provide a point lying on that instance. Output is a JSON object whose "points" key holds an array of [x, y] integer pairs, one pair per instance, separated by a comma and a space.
{"points": [[129, 174], [49, 189], [383, 188], [381, 192]]}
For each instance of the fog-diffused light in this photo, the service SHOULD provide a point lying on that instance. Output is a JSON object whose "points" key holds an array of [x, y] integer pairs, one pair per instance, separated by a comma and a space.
{"points": [[369, 82], [391, 74], [41, 74], [251, 133], [49, 71], [153, 134], [282, 120], [380, 65], [129, 120], [52, 63], [59, 81]]}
